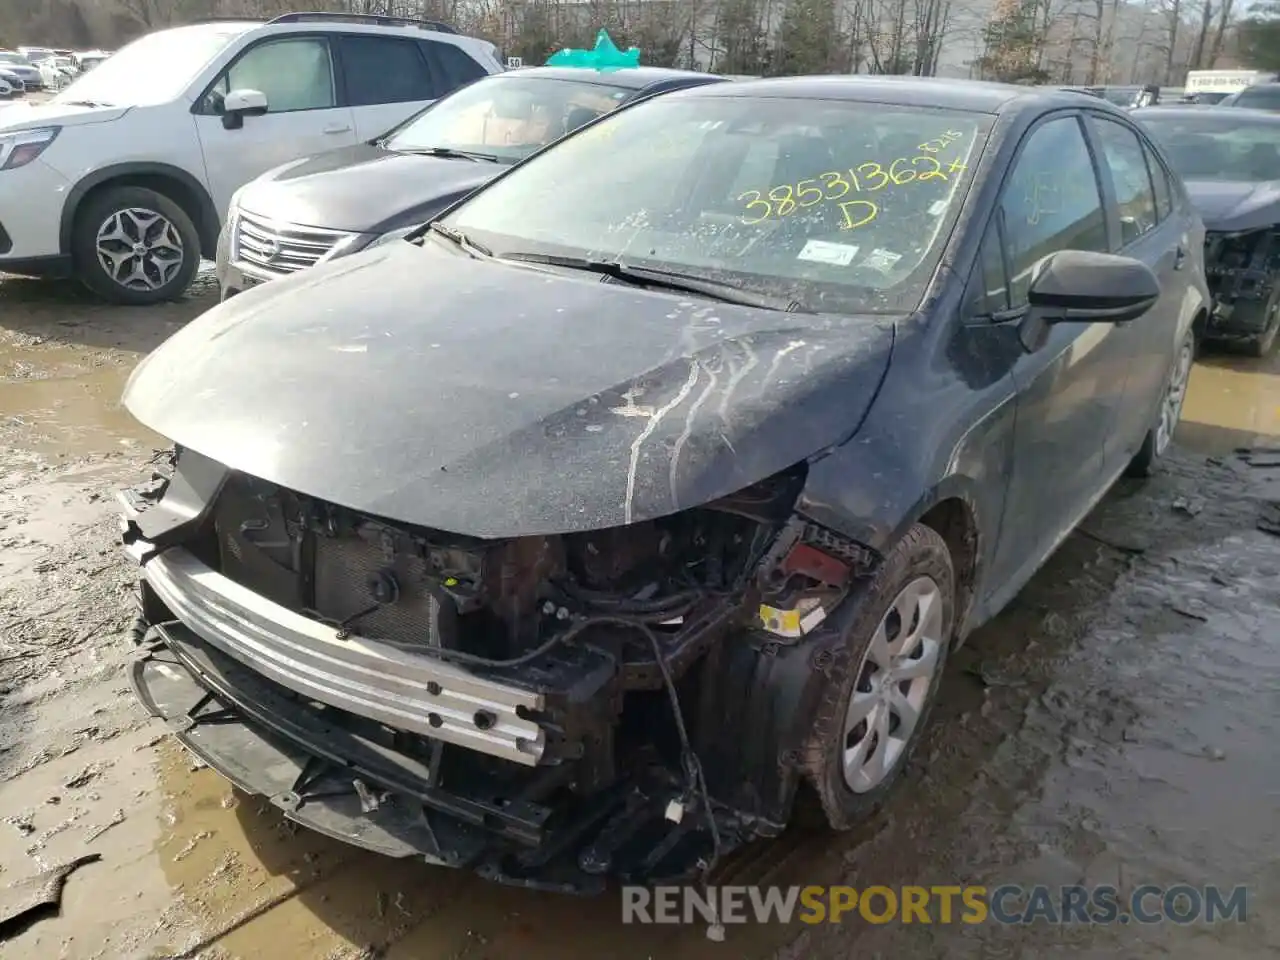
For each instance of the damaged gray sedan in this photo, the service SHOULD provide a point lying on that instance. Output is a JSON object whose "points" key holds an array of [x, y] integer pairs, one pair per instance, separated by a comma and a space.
{"points": [[1230, 162], [634, 504]]}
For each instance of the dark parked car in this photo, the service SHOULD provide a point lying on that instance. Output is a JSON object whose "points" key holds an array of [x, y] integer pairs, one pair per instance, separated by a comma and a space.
{"points": [[1230, 162], [11, 84], [23, 69], [652, 484], [339, 202], [1260, 96], [1204, 98]]}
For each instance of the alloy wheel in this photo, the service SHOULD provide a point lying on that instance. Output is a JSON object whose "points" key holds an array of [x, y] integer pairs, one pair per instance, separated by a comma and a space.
{"points": [[1175, 395], [139, 249], [892, 686]]}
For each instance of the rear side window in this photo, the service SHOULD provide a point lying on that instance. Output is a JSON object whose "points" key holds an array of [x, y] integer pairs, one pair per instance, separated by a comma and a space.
{"points": [[1124, 156], [457, 68], [384, 70]]}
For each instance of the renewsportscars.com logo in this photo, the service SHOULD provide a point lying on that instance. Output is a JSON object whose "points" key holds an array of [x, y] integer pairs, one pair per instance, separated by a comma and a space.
{"points": [[1006, 904]]}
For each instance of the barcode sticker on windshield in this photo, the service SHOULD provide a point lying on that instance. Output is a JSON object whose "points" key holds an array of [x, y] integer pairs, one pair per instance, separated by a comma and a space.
{"points": [[822, 251]]}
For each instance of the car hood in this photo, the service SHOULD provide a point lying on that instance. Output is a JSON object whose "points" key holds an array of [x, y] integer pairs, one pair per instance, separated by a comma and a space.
{"points": [[364, 189], [492, 400], [27, 115], [1233, 205]]}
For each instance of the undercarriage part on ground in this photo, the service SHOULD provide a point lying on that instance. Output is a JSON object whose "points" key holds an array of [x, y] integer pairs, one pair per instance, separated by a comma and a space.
{"points": [[1242, 270], [546, 710]]}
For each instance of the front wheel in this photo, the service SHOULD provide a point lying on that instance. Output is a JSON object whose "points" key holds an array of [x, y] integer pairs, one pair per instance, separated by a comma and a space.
{"points": [[1160, 436], [134, 246], [883, 680]]}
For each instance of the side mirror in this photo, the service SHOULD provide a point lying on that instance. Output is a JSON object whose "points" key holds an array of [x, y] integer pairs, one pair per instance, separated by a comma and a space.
{"points": [[1077, 286], [239, 104]]}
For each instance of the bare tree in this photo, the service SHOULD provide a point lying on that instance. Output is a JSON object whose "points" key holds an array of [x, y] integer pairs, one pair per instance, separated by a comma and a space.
{"points": [[1173, 13], [1224, 20]]}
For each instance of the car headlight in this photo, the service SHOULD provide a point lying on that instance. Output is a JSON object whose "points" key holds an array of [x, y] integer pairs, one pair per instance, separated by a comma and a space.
{"points": [[355, 243], [20, 148], [359, 242], [393, 236], [347, 245]]}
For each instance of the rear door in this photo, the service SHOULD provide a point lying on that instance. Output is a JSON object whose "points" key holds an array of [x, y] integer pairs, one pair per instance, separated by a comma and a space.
{"points": [[1146, 228], [385, 80], [296, 73]]}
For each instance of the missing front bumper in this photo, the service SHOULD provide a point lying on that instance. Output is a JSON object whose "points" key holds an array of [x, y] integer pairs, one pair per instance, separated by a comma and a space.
{"points": [[269, 744], [380, 681]]}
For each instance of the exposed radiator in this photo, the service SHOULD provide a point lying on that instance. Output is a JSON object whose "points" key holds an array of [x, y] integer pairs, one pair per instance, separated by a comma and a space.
{"points": [[356, 578], [352, 575]]}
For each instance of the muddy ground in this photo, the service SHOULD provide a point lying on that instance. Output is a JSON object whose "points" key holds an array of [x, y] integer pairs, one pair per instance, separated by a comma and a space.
{"points": [[1117, 724]]}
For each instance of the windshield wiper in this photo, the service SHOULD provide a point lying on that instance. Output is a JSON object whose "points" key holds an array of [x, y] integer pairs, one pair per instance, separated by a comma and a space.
{"points": [[664, 280], [459, 239], [449, 153]]}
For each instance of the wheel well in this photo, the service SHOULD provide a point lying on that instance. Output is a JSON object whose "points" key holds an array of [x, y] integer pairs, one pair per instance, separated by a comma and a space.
{"points": [[195, 206], [952, 519], [1199, 324]]}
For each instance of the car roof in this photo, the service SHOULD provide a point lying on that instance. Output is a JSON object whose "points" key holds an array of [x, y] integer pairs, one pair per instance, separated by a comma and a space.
{"points": [[1236, 114], [633, 78], [976, 96], [214, 26]]}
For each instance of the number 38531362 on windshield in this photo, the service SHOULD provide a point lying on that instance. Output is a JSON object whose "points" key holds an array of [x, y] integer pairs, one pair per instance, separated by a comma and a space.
{"points": [[834, 186]]}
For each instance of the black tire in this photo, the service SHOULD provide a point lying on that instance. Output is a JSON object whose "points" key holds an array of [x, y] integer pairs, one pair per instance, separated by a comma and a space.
{"points": [[98, 210], [921, 553], [1149, 454]]}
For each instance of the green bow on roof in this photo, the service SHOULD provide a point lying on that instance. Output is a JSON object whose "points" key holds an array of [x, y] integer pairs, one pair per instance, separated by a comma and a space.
{"points": [[604, 56]]}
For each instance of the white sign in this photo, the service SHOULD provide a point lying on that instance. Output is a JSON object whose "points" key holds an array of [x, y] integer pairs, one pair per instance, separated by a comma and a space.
{"points": [[514, 62]]}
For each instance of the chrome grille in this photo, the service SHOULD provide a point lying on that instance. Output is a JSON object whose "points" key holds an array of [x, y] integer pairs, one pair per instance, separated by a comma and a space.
{"points": [[275, 249]]}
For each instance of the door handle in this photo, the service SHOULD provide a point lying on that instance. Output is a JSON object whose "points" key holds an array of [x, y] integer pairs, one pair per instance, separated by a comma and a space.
{"points": [[1179, 258], [338, 128]]}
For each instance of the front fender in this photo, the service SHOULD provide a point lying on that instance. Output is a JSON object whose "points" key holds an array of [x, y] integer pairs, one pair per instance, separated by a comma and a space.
{"points": [[931, 437]]}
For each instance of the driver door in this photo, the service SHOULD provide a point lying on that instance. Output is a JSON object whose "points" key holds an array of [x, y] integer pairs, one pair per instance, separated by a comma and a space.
{"points": [[296, 74], [1070, 388]]}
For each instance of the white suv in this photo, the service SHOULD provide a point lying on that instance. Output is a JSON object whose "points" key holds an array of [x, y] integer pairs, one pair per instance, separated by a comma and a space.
{"points": [[123, 178]]}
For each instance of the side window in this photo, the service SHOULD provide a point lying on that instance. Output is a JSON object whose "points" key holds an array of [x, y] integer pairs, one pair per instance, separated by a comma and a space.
{"points": [[1123, 155], [384, 70], [1051, 202], [295, 74], [989, 288], [1160, 181], [457, 68]]}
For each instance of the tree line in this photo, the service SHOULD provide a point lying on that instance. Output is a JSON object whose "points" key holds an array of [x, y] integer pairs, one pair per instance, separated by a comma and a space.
{"points": [[1044, 41]]}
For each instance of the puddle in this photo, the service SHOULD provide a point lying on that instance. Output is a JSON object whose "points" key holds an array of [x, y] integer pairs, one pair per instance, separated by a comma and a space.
{"points": [[60, 405], [1232, 402]]}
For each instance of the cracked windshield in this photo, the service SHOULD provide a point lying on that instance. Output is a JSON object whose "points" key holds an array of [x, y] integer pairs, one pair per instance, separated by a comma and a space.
{"points": [[699, 481]]}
